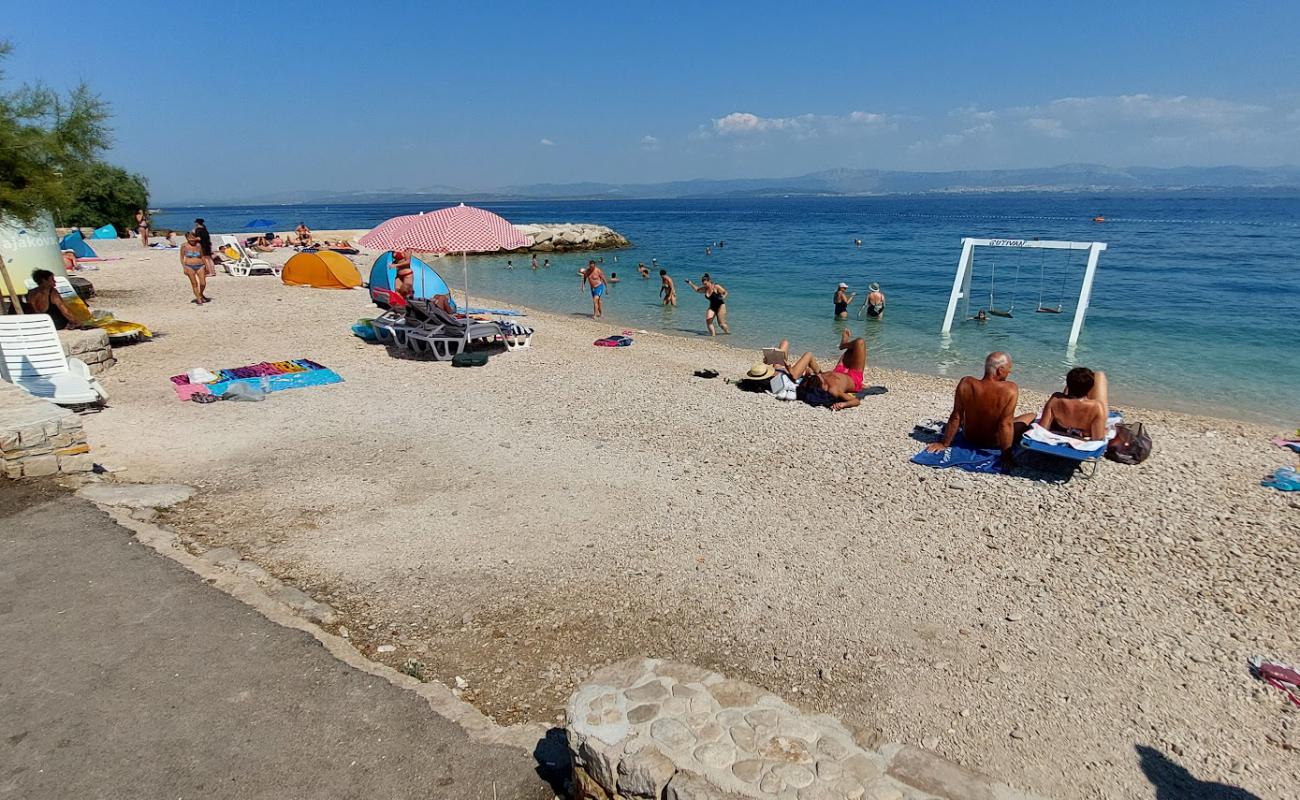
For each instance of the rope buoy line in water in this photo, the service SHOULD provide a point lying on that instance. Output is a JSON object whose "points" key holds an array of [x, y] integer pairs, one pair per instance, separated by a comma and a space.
{"points": [[1063, 218]]}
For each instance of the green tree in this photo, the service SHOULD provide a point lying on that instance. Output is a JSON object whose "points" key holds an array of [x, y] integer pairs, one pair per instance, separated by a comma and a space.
{"points": [[44, 138], [103, 193]]}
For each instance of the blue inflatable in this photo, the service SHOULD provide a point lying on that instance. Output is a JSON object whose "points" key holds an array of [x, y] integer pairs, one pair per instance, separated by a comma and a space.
{"points": [[427, 282], [106, 232], [77, 245]]}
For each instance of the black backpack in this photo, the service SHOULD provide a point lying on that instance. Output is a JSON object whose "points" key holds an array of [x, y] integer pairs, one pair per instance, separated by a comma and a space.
{"points": [[1131, 445]]}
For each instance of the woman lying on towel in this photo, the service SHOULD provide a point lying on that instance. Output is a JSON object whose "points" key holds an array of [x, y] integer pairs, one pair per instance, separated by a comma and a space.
{"points": [[1080, 411]]}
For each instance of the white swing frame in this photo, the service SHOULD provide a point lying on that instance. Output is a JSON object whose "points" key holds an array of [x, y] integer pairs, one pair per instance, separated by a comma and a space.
{"points": [[961, 282]]}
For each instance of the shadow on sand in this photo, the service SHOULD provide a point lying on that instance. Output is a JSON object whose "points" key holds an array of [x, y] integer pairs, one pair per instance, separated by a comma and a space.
{"points": [[1172, 781]]}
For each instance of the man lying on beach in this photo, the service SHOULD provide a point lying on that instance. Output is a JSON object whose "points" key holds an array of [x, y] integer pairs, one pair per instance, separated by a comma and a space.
{"points": [[1080, 411], [983, 410], [835, 388]]}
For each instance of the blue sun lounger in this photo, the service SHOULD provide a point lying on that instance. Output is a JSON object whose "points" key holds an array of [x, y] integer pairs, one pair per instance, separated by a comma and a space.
{"points": [[1090, 457]]}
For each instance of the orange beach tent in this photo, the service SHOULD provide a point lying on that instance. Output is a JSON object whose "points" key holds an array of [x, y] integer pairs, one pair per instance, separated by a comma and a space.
{"points": [[323, 270]]}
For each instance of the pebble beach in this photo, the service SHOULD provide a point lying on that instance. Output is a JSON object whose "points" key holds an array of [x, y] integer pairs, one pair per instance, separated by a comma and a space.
{"points": [[521, 525]]}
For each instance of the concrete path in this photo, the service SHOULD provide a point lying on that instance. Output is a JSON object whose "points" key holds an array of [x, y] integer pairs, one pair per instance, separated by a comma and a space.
{"points": [[122, 675]]}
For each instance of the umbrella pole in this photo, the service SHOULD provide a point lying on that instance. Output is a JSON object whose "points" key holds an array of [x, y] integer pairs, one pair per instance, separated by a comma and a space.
{"points": [[464, 266]]}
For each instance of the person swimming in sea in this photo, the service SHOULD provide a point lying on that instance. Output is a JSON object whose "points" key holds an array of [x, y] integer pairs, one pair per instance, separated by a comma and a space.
{"points": [[843, 298]]}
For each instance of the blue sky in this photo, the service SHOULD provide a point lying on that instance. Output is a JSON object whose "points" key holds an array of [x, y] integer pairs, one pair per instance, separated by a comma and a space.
{"points": [[256, 98]]}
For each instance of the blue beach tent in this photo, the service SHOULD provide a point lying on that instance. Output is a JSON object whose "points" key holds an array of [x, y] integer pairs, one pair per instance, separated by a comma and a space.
{"points": [[106, 232], [427, 282], [77, 245]]}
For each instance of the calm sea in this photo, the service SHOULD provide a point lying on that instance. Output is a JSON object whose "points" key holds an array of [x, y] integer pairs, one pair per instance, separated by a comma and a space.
{"points": [[1195, 306]]}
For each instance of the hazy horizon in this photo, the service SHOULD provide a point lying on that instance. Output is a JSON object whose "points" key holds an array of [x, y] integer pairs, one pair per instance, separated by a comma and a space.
{"points": [[478, 97]]}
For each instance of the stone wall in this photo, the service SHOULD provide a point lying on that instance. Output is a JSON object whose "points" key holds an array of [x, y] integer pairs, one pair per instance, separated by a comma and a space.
{"points": [[656, 730], [565, 237], [38, 437], [91, 346]]}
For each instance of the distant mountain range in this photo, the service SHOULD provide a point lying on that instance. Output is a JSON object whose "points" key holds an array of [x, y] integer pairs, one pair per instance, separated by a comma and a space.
{"points": [[847, 183]]}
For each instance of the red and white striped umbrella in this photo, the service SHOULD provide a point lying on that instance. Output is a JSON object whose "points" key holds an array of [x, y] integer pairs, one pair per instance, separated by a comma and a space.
{"points": [[458, 229]]}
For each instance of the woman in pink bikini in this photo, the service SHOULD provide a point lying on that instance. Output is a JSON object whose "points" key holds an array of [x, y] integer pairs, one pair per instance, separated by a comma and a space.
{"points": [[837, 388]]}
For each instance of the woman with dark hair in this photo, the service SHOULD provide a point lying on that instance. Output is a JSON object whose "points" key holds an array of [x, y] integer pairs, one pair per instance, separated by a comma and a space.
{"points": [[142, 226], [45, 299], [194, 265], [716, 294]]}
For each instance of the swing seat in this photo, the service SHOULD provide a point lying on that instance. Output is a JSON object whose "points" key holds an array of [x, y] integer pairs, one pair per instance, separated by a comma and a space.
{"points": [[999, 313], [1046, 310]]}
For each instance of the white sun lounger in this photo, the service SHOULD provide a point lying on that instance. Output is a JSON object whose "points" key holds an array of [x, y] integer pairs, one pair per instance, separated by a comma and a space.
{"points": [[31, 356], [246, 265]]}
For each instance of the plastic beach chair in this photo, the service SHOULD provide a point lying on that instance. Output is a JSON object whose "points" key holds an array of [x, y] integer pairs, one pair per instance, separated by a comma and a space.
{"points": [[442, 335], [246, 265], [1087, 459], [31, 356]]}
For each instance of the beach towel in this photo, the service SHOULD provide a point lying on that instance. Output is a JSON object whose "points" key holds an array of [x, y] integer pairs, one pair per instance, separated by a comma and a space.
{"points": [[1289, 443], [1040, 434], [964, 457], [613, 341], [1285, 479], [279, 375]]}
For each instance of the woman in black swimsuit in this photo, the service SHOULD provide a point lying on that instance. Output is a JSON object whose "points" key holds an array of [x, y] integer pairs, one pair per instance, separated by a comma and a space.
{"points": [[842, 299], [716, 294], [45, 299]]}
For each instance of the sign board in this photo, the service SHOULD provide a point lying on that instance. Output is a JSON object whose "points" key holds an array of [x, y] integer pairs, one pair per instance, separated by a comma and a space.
{"points": [[27, 248]]}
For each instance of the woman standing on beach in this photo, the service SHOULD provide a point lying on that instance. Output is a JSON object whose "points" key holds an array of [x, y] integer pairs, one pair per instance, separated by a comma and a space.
{"points": [[194, 264], [142, 226], [716, 294]]}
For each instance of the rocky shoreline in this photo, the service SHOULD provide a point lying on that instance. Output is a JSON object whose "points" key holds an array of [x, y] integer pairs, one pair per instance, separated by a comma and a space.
{"points": [[569, 236]]}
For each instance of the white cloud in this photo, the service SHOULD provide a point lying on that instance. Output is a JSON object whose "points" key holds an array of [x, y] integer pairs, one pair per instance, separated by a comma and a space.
{"points": [[649, 142], [547, 143], [743, 123]]}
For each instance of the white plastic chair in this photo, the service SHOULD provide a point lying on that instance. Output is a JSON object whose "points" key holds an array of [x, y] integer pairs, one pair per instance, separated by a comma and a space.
{"points": [[246, 265], [32, 357]]}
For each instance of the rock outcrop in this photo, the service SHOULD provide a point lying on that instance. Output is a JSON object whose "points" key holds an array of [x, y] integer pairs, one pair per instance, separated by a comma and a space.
{"points": [[568, 236]]}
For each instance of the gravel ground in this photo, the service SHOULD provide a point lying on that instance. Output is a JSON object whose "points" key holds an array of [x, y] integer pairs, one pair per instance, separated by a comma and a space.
{"points": [[518, 526]]}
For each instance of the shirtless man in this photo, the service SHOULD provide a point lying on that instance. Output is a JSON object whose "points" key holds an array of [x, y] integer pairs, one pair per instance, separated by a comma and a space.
{"points": [[594, 278], [984, 410], [1081, 410], [667, 289], [836, 388]]}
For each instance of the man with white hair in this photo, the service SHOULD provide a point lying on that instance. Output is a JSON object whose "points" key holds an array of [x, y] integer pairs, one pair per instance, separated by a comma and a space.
{"points": [[983, 410]]}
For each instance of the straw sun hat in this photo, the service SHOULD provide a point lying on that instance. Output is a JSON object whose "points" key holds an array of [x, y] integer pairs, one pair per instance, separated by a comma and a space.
{"points": [[759, 372]]}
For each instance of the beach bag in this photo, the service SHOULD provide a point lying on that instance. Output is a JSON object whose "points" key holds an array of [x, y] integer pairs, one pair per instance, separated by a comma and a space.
{"points": [[1131, 445], [468, 359]]}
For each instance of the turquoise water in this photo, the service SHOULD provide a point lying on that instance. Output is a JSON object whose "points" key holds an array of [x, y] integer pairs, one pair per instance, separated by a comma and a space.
{"points": [[1195, 305]]}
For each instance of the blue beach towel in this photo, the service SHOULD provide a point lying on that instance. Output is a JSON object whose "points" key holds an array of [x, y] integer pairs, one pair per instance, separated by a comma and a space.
{"points": [[962, 456], [278, 383], [1285, 479]]}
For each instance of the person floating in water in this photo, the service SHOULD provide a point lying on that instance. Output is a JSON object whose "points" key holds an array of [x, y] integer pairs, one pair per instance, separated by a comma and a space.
{"points": [[546, 263], [857, 242], [510, 264], [980, 316], [613, 278], [667, 289], [875, 303], [708, 251], [643, 270], [843, 297], [716, 294]]}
